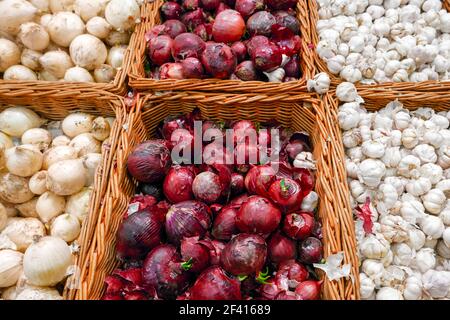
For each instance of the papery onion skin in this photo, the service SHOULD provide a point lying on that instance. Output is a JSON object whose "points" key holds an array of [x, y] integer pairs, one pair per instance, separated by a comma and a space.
{"points": [[214, 284], [248, 7], [256, 42], [267, 57], [292, 68], [237, 184], [192, 68], [246, 71], [309, 290], [287, 193], [162, 271], [174, 28], [206, 187], [285, 19], [219, 60], [150, 161], [290, 273], [269, 290], [240, 50], [281, 248], [160, 50], [259, 179], [193, 19], [310, 250], [171, 10], [196, 253], [204, 31], [224, 226], [228, 27], [187, 219], [210, 5], [177, 185], [298, 225], [258, 215], [187, 45], [171, 71], [190, 4], [245, 254], [261, 23]]}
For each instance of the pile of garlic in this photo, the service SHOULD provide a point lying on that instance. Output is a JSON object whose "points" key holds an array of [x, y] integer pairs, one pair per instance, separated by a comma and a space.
{"points": [[376, 41], [47, 171], [65, 40], [400, 160]]}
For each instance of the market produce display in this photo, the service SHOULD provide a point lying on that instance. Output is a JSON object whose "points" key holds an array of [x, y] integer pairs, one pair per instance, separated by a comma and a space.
{"points": [[248, 40], [46, 182], [70, 40], [398, 164], [219, 230], [376, 41]]}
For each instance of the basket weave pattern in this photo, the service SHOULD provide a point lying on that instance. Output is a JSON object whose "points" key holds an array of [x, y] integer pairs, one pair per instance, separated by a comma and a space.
{"points": [[150, 17]]}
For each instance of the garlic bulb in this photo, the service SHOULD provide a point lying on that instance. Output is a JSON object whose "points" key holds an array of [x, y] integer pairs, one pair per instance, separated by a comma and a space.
{"points": [[432, 226], [434, 200], [346, 92], [371, 171], [424, 260], [66, 227], [387, 293], [45, 262], [320, 83], [10, 267], [367, 286], [436, 283], [38, 293], [413, 288], [374, 247]]}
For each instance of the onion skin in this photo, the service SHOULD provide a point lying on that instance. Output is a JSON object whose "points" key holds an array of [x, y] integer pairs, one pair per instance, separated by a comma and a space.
{"points": [[298, 226], [204, 31], [245, 254], [261, 23], [187, 219], [310, 250], [187, 45], [258, 215], [248, 7], [228, 27], [246, 71], [171, 10], [285, 19], [138, 234], [190, 4], [150, 161], [240, 50], [177, 185], [156, 31], [259, 179], [160, 50], [256, 42], [210, 5], [292, 68], [237, 184], [270, 290], [292, 273], [281, 4], [239, 200], [206, 187], [267, 57], [214, 284], [222, 7], [174, 28], [162, 271], [171, 71], [224, 226], [195, 252], [309, 290], [286, 193], [192, 68], [219, 60], [193, 19], [281, 248]]}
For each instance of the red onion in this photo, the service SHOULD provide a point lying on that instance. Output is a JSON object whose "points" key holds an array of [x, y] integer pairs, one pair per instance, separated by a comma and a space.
{"points": [[299, 142], [216, 153], [136, 295], [237, 184], [246, 71], [160, 50], [248, 7], [228, 27], [292, 68], [163, 271], [222, 7], [269, 290], [143, 202], [240, 50], [210, 5], [241, 129], [305, 179], [219, 60], [256, 42], [261, 23], [214, 284], [244, 255], [230, 3], [174, 28], [138, 234], [286, 40], [190, 4], [171, 71], [309, 290], [247, 153], [239, 200], [182, 142], [171, 124], [258, 215], [287, 194], [298, 225], [204, 31], [285, 19], [317, 230], [310, 250], [206, 187], [149, 161], [158, 30], [178, 184], [281, 248], [195, 254], [192, 68], [187, 45], [171, 10], [267, 57], [192, 19], [187, 219], [215, 250], [111, 296], [287, 295], [224, 226], [150, 190], [290, 273], [259, 179], [289, 79], [281, 4]]}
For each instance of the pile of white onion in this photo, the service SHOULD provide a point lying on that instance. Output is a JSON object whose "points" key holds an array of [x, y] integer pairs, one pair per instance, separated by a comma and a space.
{"points": [[47, 171], [70, 40]]}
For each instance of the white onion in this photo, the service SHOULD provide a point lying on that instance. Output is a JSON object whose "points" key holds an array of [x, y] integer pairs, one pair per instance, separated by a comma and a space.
{"points": [[11, 211], [14, 13], [14, 189], [104, 74], [37, 183], [45, 20], [85, 143], [39, 137], [28, 209], [116, 38], [56, 62], [19, 72], [98, 27], [64, 27], [9, 54], [66, 177], [38, 293], [91, 161], [45, 263], [44, 75], [49, 206], [59, 153], [10, 267], [116, 55], [77, 123], [88, 51], [78, 204], [61, 5], [66, 227], [6, 140], [88, 9], [34, 36], [60, 141], [122, 14], [15, 121], [78, 74], [100, 129], [23, 231], [24, 160], [9, 293], [3, 216], [42, 5], [30, 59]]}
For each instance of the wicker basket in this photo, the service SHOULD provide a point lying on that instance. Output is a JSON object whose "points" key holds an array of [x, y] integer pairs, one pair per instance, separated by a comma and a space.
{"points": [[424, 86], [305, 115], [151, 17], [109, 105]]}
